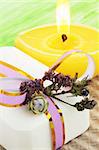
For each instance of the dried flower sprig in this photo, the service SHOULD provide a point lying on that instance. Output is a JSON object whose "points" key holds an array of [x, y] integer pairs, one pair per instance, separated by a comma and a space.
{"points": [[60, 84], [80, 106], [85, 104], [31, 87], [70, 85]]}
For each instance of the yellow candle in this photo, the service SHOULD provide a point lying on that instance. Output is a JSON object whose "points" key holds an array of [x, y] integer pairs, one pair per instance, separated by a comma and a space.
{"points": [[46, 45]]}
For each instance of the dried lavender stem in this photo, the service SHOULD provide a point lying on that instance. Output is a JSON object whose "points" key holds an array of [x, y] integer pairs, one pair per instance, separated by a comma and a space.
{"points": [[62, 101], [63, 92]]}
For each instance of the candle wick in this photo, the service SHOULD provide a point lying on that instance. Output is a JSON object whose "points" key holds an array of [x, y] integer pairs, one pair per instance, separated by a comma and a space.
{"points": [[64, 37]]}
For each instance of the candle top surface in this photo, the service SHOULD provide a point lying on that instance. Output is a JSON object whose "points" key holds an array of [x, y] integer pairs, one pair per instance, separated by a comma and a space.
{"points": [[46, 39], [46, 45]]}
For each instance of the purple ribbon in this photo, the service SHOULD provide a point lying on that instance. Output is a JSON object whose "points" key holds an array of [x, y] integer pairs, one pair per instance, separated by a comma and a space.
{"points": [[14, 100], [10, 73], [57, 122]]}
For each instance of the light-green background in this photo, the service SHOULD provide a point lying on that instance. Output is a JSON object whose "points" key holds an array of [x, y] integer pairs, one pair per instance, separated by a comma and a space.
{"points": [[19, 15]]}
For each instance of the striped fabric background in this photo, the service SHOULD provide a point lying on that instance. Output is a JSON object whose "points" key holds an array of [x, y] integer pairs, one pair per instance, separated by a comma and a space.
{"points": [[19, 15]]}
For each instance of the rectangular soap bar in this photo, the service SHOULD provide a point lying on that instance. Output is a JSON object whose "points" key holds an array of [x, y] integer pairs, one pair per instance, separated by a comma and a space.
{"points": [[20, 129]]}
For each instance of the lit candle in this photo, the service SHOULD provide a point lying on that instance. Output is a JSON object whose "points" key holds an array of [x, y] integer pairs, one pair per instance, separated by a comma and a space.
{"points": [[47, 43], [63, 17]]}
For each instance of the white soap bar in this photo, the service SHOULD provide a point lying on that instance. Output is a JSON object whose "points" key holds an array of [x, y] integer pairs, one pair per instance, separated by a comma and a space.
{"points": [[20, 129]]}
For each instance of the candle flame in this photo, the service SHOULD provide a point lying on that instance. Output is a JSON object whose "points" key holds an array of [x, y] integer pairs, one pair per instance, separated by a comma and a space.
{"points": [[63, 16]]}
